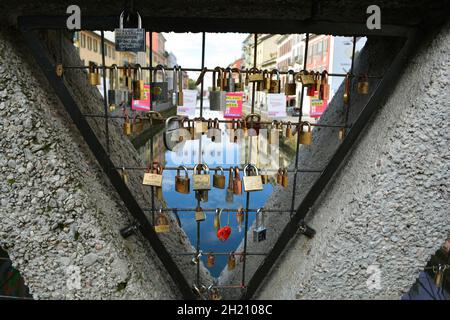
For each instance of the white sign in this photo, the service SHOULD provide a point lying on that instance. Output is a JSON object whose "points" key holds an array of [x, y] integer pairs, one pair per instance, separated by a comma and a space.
{"points": [[189, 103], [276, 105]]}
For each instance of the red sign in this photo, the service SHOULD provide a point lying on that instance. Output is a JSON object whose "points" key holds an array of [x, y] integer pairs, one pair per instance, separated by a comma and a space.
{"points": [[317, 107]]}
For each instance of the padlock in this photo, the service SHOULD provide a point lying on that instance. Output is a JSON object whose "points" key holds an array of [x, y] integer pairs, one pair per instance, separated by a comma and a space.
{"points": [[216, 95], [224, 233], [240, 218], [259, 231], [173, 135], [130, 39], [201, 181], [231, 179], [216, 133], [267, 81], [209, 133], [202, 195], [128, 79], [220, 82], [219, 179], [201, 126], [153, 177], [231, 264], [217, 218], [254, 75], [214, 294], [346, 96], [290, 87], [264, 177], [324, 91], [237, 182], [305, 136], [138, 124], [138, 84], [285, 178], [127, 126], [210, 260], [59, 70], [238, 86], [252, 182], [199, 214], [159, 89], [242, 124], [196, 258], [233, 131], [275, 85], [305, 77], [114, 94], [253, 122], [341, 133], [94, 76], [363, 84], [289, 134], [228, 80], [177, 86], [439, 277], [280, 176], [182, 183], [162, 224]]}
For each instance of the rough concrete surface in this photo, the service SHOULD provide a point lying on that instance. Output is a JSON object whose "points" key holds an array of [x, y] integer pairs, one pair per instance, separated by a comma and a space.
{"points": [[59, 216], [387, 210]]}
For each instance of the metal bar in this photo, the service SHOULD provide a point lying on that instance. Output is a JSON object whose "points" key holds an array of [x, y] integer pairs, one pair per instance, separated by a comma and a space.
{"points": [[255, 45], [152, 190], [212, 168], [244, 254], [376, 100], [203, 78], [347, 110], [105, 96], [300, 114], [39, 53], [221, 253], [214, 210], [181, 24]]}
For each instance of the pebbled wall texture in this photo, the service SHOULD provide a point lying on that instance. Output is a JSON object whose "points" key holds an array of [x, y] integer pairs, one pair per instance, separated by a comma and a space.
{"points": [[388, 208], [59, 216]]}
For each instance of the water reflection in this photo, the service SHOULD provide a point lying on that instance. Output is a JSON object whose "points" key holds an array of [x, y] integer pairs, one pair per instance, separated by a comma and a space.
{"points": [[223, 154]]}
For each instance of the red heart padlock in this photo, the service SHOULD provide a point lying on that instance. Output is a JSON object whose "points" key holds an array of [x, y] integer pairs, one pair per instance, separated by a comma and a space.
{"points": [[224, 233]]}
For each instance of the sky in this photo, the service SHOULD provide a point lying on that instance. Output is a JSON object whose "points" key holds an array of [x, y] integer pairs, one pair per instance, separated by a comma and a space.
{"points": [[221, 49]]}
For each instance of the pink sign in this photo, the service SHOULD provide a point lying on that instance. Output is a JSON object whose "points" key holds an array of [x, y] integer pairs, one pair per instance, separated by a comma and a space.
{"points": [[318, 107], [233, 105], [142, 105]]}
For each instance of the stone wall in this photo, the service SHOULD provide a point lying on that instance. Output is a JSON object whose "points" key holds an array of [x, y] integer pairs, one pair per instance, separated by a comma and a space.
{"points": [[388, 207]]}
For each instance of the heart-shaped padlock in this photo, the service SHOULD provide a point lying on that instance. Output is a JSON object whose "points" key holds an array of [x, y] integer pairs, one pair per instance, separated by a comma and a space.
{"points": [[224, 233]]}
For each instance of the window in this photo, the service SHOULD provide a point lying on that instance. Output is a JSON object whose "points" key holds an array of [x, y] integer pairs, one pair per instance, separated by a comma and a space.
{"points": [[89, 43], [95, 45], [83, 40]]}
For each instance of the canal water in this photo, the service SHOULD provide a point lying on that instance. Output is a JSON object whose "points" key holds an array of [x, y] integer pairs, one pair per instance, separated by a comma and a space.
{"points": [[223, 154]]}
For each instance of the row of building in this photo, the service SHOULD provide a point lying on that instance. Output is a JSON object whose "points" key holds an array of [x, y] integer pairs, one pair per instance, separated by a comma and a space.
{"points": [[286, 52], [88, 44]]}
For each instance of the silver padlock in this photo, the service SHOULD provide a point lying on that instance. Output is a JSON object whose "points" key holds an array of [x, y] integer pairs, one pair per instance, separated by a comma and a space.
{"points": [[130, 39], [259, 231], [114, 94], [159, 89], [216, 96]]}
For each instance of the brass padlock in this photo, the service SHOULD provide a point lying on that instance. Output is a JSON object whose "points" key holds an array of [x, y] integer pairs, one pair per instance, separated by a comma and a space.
{"points": [[285, 178], [237, 182], [341, 133], [290, 87], [94, 76], [305, 77], [231, 264], [182, 183], [59, 70], [363, 84], [178, 85], [238, 86], [210, 260], [252, 182], [214, 294], [280, 176], [265, 177], [162, 224], [230, 179], [240, 218], [201, 126], [274, 85], [289, 134], [128, 79], [305, 136], [346, 96], [217, 218], [153, 177], [201, 181], [220, 81], [254, 75], [138, 84], [199, 214], [127, 126], [267, 80], [219, 179], [324, 91], [439, 277]]}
